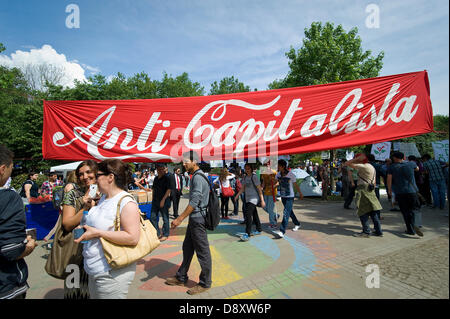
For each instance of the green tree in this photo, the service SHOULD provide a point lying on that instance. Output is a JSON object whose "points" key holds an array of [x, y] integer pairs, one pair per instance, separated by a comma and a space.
{"points": [[178, 87], [228, 85], [329, 54]]}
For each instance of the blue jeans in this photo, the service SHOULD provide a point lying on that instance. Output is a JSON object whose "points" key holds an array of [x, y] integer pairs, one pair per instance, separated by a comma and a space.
{"points": [[154, 217], [438, 189], [376, 222], [270, 204], [236, 205], [288, 203]]}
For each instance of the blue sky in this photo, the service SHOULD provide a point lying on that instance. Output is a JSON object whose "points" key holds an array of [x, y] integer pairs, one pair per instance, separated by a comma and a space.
{"points": [[211, 39]]}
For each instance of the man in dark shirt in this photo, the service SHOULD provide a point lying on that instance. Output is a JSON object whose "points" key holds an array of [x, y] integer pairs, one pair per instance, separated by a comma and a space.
{"points": [[161, 201], [400, 179], [30, 190], [378, 172], [177, 188], [196, 239], [14, 243]]}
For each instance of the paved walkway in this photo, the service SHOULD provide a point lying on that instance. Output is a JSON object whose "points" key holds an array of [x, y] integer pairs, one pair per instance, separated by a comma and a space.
{"points": [[321, 260]]}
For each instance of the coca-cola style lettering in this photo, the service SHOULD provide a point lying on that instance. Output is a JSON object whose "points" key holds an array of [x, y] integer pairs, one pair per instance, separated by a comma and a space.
{"points": [[283, 121]]}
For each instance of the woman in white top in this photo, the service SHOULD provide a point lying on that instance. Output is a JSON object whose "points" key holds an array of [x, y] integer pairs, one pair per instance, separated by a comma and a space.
{"points": [[224, 182], [113, 177], [150, 179]]}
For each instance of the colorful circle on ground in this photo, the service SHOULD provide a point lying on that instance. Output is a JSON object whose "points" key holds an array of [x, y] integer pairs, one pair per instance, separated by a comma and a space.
{"points": [[292, 258]]}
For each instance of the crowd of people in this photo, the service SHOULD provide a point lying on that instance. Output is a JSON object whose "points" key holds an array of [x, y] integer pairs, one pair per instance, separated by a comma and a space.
{"points": [[409, 183]]}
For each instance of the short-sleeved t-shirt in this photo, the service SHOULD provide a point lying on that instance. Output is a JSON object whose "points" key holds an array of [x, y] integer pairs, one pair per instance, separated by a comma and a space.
{"points": [[72, 196], [160, 187], [402, 178], [286, 184], [367, 174], [269, 179], [102, 217], [251, 194]]}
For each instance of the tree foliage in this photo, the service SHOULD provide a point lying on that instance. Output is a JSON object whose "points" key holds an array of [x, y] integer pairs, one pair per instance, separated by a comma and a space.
{"points": [[228, 85], [329, 54]]}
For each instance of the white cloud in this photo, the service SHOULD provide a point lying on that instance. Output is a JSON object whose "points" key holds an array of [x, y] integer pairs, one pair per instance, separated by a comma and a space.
{"points": [[71, 70]]}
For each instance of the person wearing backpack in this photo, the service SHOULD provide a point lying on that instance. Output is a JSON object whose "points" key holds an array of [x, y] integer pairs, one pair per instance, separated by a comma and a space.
{"points": [[196, 239], [30, 190]]}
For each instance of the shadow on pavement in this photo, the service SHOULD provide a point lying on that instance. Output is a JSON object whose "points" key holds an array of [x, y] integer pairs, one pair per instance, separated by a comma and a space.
{"points": [[55, 294]]}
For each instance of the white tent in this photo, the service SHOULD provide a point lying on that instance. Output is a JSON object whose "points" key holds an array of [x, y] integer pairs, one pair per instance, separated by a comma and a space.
{"points": [[309, 186], [65, 168]]}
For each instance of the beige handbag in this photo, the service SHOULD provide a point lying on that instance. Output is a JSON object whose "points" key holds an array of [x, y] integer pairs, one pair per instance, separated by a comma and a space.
{"points": [[119, 256]]}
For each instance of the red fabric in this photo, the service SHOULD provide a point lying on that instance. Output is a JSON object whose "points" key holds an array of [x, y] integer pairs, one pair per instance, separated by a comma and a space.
{"points": [[285, 121]]}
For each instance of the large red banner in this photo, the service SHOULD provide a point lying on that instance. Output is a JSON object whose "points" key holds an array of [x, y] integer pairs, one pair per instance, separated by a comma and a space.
{"points": [[251, 124]]}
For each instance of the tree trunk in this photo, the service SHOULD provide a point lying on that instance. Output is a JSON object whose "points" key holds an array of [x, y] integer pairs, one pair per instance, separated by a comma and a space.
{"points": [[332, 181]]}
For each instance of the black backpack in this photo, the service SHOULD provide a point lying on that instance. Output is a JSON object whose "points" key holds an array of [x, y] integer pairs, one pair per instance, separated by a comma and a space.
{"points": [[212, 216]]}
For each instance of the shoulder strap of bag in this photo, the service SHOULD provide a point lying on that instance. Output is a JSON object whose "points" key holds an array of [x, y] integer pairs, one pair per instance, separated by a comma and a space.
{"points": [[117, 219], [253, 182], [370, 183]]}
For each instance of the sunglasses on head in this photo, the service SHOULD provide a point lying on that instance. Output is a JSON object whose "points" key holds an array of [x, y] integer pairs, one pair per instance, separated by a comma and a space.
{"points": [[103, 174]]}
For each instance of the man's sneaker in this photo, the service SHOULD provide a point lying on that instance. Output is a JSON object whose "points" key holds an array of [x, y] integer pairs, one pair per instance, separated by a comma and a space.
{"points": [[245, 237], [374, 233], [256, 233], [296, 227], [278, 233], [361, 235], [173, 281], [418, 231], [197, 289]]}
